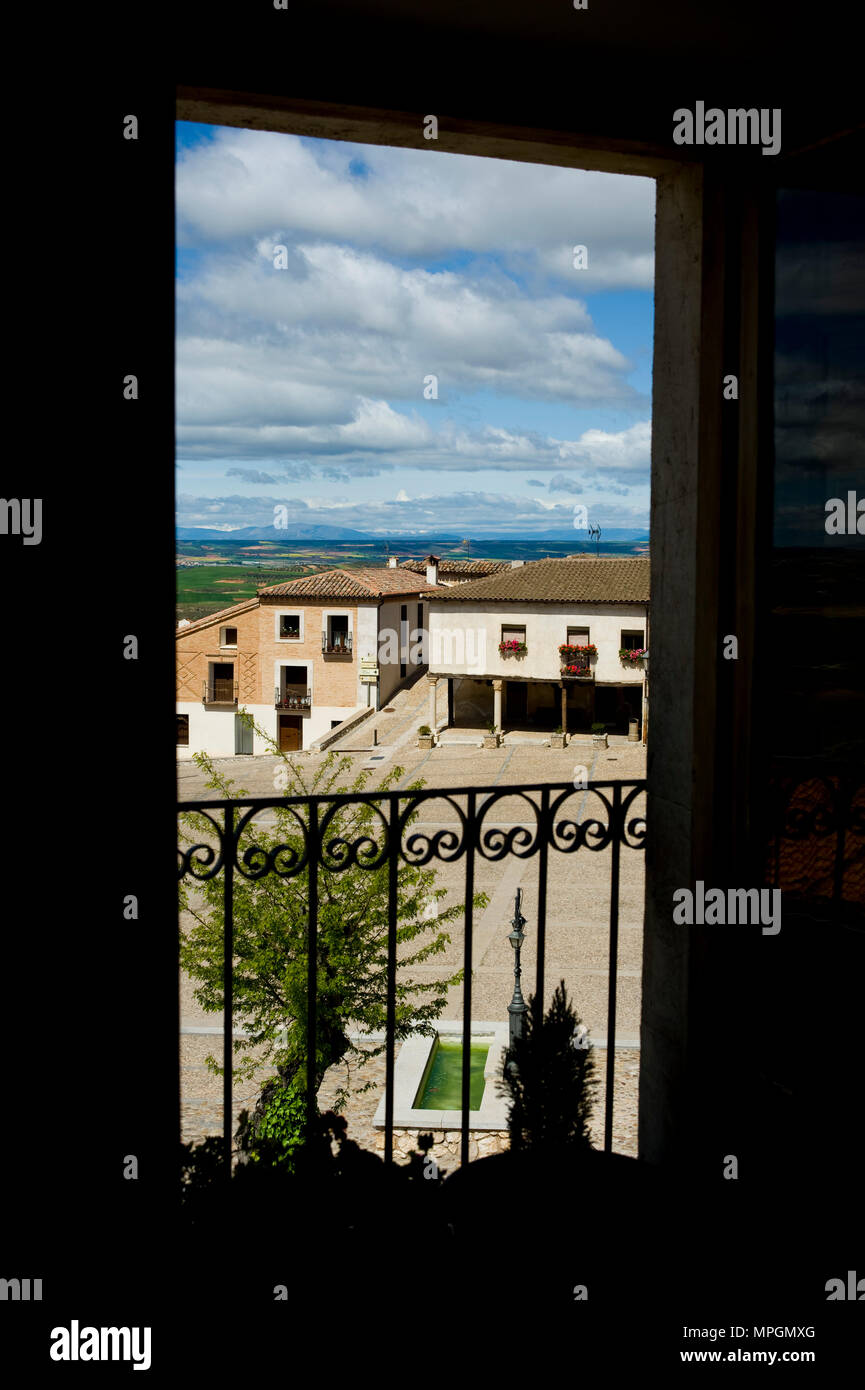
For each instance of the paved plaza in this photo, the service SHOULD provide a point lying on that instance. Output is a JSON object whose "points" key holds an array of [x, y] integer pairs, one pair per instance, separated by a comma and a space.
{"points": [[578, 889]]}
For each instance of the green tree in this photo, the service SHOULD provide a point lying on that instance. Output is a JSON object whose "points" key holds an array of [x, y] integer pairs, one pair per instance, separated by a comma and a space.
{"points": [[271, 942], [550, 1078]]}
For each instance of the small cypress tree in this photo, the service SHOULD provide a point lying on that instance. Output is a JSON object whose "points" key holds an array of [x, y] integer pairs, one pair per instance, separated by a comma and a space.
{"points": [[550, 1079]]}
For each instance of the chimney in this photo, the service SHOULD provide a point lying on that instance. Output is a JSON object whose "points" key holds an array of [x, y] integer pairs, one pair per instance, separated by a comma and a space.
{"points": [[515, 564], [432, 569], [392, 562]]}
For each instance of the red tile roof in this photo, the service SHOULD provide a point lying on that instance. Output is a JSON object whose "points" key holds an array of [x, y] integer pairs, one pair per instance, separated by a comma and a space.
{"points": [[472, 569], [622, 579], [370, 583]]}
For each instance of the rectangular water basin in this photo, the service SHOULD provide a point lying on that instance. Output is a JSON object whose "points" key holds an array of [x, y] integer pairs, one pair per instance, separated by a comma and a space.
{"points": [[441, 1087], [419, 1104]]}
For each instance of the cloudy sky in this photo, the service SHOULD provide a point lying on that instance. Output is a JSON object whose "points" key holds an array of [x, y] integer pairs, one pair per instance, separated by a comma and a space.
{"points": [[304, 385]]}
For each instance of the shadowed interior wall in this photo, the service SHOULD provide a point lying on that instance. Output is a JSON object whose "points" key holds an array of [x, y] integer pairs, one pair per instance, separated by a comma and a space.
{"points": [[673, 529]]}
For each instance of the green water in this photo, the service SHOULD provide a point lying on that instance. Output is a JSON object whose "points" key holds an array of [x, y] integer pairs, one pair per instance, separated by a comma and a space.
{"points": [[441, 1088]]}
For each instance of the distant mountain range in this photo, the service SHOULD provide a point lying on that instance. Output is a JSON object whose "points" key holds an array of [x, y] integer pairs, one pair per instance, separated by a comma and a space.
{"points": [[272, 533], [345, 533]]}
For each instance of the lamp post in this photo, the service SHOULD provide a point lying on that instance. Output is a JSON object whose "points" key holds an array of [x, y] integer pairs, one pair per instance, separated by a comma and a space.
{"points": [[518, 1006]]}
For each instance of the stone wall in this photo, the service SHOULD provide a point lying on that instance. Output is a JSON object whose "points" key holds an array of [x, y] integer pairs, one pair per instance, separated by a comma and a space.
{"points": [[447, 1148]]}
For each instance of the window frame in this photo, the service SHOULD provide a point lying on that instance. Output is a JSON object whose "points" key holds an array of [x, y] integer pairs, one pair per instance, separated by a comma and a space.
{"points": [[281, 615]]}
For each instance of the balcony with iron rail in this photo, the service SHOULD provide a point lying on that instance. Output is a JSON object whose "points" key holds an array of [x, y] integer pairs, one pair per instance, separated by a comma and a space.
{"points": [[576, 663], [220, 692], [337, 644], [296, 698]]}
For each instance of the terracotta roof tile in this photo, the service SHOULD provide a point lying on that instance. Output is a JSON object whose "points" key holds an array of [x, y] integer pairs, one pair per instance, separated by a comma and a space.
{"points": [[373, 582], [609, 580], [470, 568]]}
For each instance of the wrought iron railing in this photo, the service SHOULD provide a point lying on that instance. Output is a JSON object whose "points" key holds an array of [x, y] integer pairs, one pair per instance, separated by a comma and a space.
{"points": [[577, 667], [293, 697], [341, 646], [220, 692], [552, 822]]}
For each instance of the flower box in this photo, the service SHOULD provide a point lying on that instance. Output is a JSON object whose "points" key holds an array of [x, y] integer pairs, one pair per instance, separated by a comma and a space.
{"points": [[631, 656], [513, 648]]}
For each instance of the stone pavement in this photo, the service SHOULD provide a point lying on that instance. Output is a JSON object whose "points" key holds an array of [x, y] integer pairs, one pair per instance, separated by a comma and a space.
{"points": [[578, 886]]}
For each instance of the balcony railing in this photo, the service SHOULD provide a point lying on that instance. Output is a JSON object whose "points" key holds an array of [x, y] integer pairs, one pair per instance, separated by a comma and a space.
{"points": [[219, 692], [337, 644], [293, 697], [578, 667], [554, 820]]}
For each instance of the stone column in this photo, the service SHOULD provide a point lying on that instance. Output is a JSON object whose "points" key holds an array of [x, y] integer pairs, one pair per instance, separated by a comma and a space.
{"points": [[433, 687], [564, 708], [497, 704]]}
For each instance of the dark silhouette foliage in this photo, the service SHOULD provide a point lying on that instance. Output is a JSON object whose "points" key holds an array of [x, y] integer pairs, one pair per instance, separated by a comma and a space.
{"points": [[550, 1079]]}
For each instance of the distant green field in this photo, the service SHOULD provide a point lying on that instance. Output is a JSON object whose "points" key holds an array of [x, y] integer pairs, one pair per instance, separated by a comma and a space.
{"points": [[207, 588]]}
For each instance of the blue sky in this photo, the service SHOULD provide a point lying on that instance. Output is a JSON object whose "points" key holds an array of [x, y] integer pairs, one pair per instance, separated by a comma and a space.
{"points": [[305, 385]]}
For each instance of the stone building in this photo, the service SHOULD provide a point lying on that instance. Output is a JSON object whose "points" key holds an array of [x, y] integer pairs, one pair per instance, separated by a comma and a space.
{"points": [[301, 657], [498, 643]]}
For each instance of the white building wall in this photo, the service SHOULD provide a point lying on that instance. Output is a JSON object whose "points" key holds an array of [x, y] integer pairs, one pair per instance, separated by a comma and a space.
{"points": [[366, 647], [265, 719], [210, 730], [464, 640], [390, 651], [319, 721]]}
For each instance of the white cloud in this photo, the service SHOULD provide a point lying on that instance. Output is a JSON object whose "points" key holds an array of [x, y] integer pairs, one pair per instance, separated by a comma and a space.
{"points": [[298, 348], [432, 264], [417, 203]]}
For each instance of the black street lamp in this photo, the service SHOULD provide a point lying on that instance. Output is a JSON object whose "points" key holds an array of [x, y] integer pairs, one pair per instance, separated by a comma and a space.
{"points": [[518, 1006]]}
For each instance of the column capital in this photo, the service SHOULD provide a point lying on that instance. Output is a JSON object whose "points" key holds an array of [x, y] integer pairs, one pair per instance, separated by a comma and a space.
{"points": [[497, 684]]}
